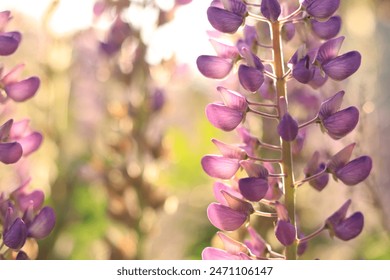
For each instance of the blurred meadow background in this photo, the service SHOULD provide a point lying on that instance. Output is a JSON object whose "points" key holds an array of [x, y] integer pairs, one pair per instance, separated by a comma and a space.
{"points": [[121, 106]]}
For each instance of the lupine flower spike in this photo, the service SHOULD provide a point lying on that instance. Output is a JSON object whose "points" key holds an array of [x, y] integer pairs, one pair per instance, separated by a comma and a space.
{"points": [[259, 173]]}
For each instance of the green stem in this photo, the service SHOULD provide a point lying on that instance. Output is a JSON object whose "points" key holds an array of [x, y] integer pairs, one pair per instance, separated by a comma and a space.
{"points": [[287, 163]]}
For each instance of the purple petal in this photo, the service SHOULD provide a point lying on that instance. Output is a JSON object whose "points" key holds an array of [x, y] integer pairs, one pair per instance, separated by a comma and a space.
{"points": [[9, 42], [34, 198], [42, 224], [250, 78], [25, 89], [256, 245], [288, 128], [331, 105], [31, 143], [355, 171], [210, 253], [219, 166], [253, 189], [5, 17], [341, 158], [219, 189], [232, 246], [237, 7], [229, 151], [223, 20], [254, 170], [319, 79], [285, 232], [233, 99], [270, 9], [16, 235], [350, 227], [18, 129], [10, 152], [321, 8], [223, 50], [303, 71], [5, 130], [328, 29], [22, 256], [223, 117], [321, 182], [237, 204], [339, 215], [343, 66], [225, 218], [329, 49], [342, 122], [214, 67]]}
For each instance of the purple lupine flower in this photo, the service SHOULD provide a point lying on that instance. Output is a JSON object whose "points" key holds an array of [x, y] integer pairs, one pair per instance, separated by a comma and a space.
{"points": [[326, 29], [342, 227], [337, 123], [29, 140], [230, 215], [251, 76], [256, 243], [231, 113], [214, 67], [9, 41], [350, 172], [314, 166], [337, 67], [255, 187], [270, 9], [288, 128], [42, 224], [15, 235], [321, 9], [226, 19], [19, 90], [285, 232]]}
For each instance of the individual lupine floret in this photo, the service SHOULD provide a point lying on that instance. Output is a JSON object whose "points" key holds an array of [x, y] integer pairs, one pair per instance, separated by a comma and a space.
{"points": [[255, 187], [314, 167], [9, 41], [349, 172], [10, 152], [16, 89], [326, 29], [229, 114], [226, 15], [234, 250], [229, 214], [250, 75], [337, 67], [337, 123], [284, 231], [342, 227], [270, 9], [320, 9]]}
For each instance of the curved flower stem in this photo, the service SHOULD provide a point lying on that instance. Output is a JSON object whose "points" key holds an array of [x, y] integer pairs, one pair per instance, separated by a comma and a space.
{"points": [[315, 176], [251, 4], [265, 115], [257, 17], [308, 122], [261, 104], [270, 75], [292, 15], [270, 146], [287, 163], [265, 214], [276, 175], [312, 235], [271, 160]]}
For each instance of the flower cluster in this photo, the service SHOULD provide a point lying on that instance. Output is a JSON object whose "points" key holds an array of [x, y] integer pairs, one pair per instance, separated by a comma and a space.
{"points": [[258, 173], [22, 215]]}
